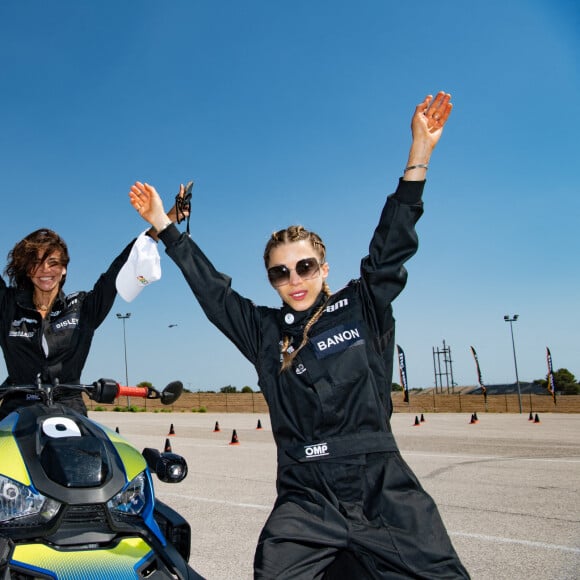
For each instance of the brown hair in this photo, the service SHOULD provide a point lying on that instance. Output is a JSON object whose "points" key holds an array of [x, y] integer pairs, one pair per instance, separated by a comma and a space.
{"points": [[24, 256], [287, 236]]}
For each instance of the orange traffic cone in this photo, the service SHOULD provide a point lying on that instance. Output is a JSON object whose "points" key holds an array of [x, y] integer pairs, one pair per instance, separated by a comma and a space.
{"points": [[417, 423], [234, 440], [167, 448], [259, 425], [536, 419], [217, 427], [171, 430]]}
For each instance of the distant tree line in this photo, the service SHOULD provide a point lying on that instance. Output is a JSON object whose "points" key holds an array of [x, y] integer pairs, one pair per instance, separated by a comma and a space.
{"points": [[564, 381]]}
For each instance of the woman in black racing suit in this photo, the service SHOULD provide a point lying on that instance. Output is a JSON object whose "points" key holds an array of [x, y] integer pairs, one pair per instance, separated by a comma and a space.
{"points": [[347, 504], [43, 331]]}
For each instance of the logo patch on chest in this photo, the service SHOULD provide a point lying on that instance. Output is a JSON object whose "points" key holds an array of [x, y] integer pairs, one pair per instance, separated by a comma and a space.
{"points": [[70, 322], [336, 339]]}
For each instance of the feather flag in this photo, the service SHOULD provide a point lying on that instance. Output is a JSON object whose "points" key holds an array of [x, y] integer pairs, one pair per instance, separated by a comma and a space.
{"points": [[551, 384], [403, 373], [479, 379]]}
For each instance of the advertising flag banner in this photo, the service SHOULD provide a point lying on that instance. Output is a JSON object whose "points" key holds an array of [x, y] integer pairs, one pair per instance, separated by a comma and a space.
{"points": [[551, 384], [479, 379], [403, 373]]}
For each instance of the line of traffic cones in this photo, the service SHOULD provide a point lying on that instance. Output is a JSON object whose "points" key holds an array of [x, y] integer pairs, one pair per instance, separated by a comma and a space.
{"points": [[534, 418], [234, 439], [418, 421]]}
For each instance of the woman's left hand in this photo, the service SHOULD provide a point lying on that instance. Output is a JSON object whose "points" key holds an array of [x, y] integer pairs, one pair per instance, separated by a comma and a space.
{"points": [[145, 199]]}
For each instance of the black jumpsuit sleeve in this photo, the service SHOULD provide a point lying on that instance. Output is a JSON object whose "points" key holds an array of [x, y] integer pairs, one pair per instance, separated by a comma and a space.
{"points": [[101, 298], [237, 317], [394, 241]]}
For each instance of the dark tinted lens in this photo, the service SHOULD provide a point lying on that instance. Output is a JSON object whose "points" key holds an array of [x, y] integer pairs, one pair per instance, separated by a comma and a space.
{"points": [[307, 268], [278, 275]]}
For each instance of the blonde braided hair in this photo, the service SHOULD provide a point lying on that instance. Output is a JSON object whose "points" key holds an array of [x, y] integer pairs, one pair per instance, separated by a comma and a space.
{"points": [[289, 235]]}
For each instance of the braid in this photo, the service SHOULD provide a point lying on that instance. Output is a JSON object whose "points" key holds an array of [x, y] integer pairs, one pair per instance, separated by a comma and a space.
{"points": [[294, 234], [287, 357]]}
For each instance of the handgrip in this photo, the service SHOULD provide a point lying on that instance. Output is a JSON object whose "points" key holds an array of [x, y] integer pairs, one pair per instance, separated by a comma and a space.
{"points": [[141, 392]]}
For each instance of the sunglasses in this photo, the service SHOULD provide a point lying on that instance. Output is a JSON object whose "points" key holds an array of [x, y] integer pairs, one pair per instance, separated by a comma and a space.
{"points": [[306, 269]]}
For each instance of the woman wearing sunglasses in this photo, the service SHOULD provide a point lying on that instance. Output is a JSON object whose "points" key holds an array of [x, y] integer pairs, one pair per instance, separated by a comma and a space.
{"points": [[348, 506]]}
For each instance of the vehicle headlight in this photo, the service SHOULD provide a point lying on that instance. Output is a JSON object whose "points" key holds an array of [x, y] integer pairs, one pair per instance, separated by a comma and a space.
{"points": [[132, 499], [25, 504]]}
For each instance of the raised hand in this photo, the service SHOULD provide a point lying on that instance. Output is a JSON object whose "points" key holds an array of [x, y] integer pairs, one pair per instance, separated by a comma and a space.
{"points": [[430, 117], [145, 199], [427, 125]]}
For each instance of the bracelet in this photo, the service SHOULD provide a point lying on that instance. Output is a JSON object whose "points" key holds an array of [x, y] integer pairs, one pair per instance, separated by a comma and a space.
{"points": [[418, 166], [164, 226]]}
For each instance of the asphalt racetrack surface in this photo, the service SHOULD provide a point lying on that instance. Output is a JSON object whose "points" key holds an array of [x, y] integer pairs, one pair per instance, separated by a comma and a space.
{"points": [[507, 487]]}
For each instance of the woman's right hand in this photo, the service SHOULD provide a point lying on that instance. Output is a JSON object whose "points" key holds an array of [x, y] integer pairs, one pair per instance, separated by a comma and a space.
{"points": [[175, 214]]}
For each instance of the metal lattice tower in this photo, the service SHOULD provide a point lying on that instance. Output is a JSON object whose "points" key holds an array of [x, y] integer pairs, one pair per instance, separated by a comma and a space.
{"points": [[443, 371]]}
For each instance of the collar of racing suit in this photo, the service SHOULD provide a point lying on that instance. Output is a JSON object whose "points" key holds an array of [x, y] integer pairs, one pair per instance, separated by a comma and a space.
{"points": [[24, 299], [291, 319]]}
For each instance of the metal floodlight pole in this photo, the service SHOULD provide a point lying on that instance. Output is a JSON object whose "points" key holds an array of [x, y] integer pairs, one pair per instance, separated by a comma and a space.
{"points": [[124, 317], [511, 320]]}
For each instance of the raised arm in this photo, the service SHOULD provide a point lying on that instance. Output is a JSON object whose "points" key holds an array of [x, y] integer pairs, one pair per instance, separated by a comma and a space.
{"points": [[395, 239], [426, 127]]}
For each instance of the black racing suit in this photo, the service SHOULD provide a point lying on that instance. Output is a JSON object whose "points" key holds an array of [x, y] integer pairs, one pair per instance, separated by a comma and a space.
{"points": [[345, 495], [57, 346]]}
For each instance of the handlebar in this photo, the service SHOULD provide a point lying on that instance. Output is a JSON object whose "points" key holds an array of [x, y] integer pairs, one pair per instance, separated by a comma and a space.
{"points": [[101, 391]]}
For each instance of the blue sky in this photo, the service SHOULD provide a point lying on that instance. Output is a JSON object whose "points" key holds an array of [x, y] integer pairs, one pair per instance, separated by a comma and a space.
{"points": [[298, 112]]}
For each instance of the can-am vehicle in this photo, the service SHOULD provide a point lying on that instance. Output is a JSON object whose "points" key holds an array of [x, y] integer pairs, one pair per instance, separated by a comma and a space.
{"points": [[77, 499]]}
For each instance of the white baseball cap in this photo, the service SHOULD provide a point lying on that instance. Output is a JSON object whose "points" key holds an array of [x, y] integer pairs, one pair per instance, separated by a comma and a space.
{"points": [[143, 266]]}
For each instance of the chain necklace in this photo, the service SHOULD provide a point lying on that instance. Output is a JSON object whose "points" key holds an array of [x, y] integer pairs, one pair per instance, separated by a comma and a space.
{"points": [[43, 307]]}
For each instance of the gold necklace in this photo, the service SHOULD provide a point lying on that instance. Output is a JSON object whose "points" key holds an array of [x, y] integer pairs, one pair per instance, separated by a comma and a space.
{"points": [[43, 307]]}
